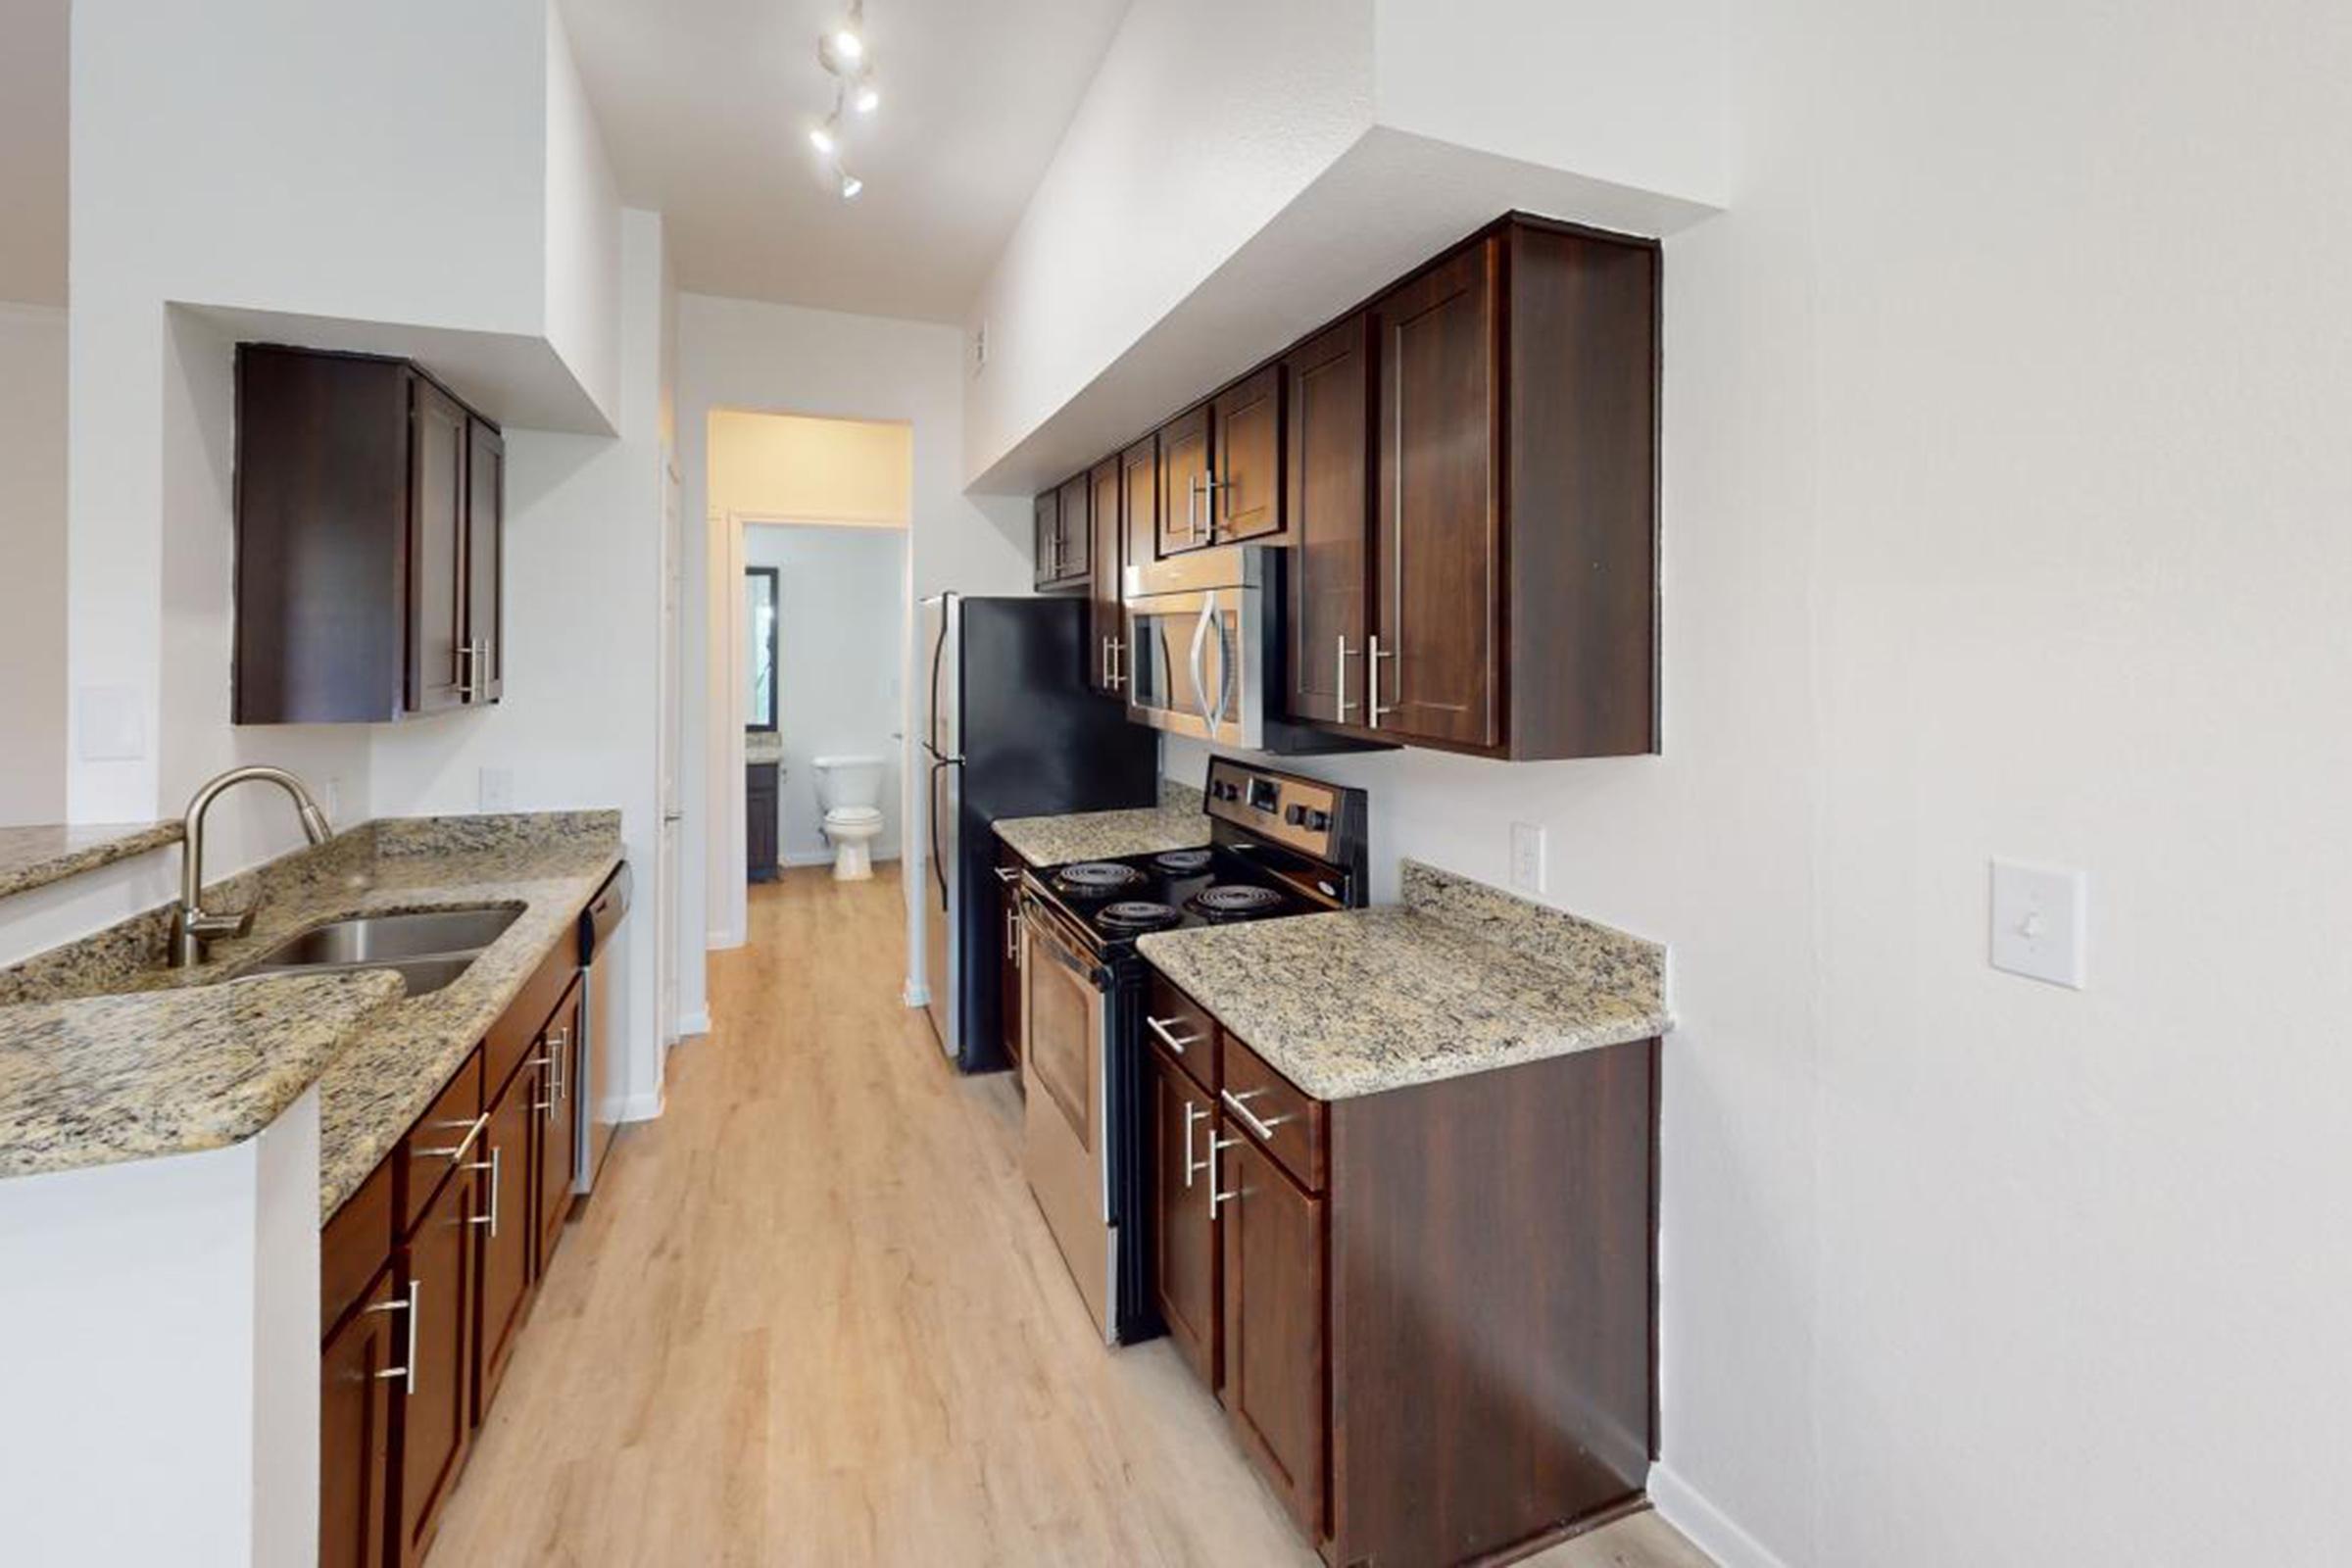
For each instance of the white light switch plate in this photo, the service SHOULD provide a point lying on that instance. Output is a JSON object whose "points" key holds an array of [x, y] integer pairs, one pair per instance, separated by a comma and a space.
{"points": [[498, 789], [2039, 918], [1527, 856]]}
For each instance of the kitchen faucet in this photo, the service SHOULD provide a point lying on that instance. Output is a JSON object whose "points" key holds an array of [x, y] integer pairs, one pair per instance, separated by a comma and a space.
{"points": [[191, 927]]}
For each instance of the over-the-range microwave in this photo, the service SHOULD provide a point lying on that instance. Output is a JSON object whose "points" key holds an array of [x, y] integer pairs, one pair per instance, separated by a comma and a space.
{"points": [[1204, 641]]}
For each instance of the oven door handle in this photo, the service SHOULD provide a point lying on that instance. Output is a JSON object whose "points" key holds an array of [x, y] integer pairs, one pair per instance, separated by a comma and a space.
{"points": [[1035, 921]]}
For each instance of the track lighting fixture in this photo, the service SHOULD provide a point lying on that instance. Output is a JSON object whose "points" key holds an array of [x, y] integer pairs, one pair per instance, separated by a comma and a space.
{"points": [[851, 184], [841, 51]]}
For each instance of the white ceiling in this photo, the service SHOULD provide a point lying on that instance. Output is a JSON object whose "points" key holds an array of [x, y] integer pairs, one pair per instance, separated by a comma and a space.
{"points": [[33, 151], [706, 105]]}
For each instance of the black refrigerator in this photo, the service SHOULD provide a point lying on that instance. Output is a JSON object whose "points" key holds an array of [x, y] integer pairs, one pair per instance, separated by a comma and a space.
{"points": [[1012, 731]]}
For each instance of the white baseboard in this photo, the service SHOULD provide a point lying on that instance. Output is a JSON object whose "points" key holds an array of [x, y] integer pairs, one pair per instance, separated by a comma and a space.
{"points": [[797, 858], [1707, 1527], [916, 994], [694, 1023], [641, 1107]]}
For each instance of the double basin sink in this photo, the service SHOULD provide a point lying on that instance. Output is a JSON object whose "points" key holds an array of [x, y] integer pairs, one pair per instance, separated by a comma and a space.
{"points": [[427, 948]]}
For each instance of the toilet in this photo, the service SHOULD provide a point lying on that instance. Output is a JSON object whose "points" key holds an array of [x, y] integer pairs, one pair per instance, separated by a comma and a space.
{"points": [[850, 791]]}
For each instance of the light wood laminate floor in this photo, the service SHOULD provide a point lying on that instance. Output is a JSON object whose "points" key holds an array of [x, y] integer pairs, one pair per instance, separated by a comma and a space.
{"points": [[812, 1317]]}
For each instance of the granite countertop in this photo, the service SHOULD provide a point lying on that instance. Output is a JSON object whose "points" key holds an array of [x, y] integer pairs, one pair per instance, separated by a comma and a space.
{"points": [[1177, 823], [1460, 978], [35, 856], [387, 1059]]}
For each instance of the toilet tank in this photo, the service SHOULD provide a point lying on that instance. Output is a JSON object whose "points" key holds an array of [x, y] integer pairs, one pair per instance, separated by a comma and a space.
{"points": [[848, 782]]}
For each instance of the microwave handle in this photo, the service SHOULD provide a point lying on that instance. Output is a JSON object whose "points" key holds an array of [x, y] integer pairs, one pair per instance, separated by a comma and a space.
{"points": [[1215, 624], [1200, 656]]}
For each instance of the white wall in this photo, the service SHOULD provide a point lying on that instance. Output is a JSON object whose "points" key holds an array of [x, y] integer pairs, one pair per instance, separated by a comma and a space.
{"points": [[32, 590], [841, 689], [783, 359], [581, 242], [577, 717], [2004, 480]]}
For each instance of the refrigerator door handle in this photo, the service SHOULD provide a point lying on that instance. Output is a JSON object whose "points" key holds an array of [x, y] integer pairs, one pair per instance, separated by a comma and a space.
{"points": [[939, 869]]}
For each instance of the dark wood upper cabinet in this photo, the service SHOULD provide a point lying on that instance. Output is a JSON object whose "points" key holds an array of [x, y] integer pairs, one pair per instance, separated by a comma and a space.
{"points": [[369, 519], [1328, 498], [1184, 475], [1275, 1360], [359, 1369], [1245, 444], [436, 1425], [1073, 558], [1139, 505], [1045, 537], [1184, 1235], [1107, 631]]}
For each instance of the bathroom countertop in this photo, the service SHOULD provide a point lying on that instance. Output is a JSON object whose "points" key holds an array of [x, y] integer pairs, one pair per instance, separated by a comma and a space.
{"points": [[1460, 978], [377, 1066], [35, 856], [1177, 823]]}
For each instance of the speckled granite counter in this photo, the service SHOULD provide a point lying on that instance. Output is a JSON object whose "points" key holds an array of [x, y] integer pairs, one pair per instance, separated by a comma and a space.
{"points": [[1460, 978], [1177, 823], [35, 856], [391, 1055]]}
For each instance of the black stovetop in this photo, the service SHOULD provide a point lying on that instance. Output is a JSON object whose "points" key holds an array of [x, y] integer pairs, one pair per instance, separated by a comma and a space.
{"points": [[1117, 901]]}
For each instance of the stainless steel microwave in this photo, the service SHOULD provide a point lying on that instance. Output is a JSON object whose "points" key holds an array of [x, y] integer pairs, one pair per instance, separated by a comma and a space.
{"points": [[1204, 633]]}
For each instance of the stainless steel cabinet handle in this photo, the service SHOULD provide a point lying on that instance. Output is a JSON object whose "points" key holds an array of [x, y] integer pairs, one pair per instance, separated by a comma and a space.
{"points": [[1194, 1115], [1341, 686], [462, 678], [1010, 876], [407, 1374], [1373, 655], [1249, 1119], [1216, 1198], [474, 1130], [1119, 663], [490, 1219], [1159, 1028]]}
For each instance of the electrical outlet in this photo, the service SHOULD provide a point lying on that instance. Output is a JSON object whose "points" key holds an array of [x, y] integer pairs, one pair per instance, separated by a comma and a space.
{"points": [[2041, 918], [1527, 856], [980, 348], [498, 789]]}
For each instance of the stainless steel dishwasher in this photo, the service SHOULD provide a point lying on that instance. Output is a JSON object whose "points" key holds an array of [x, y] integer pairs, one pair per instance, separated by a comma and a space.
{"points": [[603, 1056]]}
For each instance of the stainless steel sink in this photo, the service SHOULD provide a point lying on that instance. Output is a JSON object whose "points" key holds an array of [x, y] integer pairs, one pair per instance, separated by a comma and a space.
{"points": [[427, 948]]}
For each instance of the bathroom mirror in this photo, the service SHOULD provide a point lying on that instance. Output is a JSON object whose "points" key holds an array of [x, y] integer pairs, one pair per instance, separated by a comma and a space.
{"points": [[760, 627]]}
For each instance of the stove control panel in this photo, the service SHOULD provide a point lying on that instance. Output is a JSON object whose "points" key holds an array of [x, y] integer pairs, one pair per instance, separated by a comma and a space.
{"points": [[1316, 818]]}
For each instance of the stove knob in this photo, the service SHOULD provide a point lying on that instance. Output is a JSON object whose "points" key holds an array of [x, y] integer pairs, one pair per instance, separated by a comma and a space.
{"points": [[1296, 816], [1319, 821]]}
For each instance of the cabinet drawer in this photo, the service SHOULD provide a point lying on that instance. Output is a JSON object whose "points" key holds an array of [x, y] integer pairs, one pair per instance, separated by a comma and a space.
{"points": [[355, 1247], [510, 1038], [446, 1136], [1280, 1118], [1183, 1031]]}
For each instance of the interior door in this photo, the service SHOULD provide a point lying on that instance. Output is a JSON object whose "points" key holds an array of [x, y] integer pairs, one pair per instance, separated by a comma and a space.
{"points": [[671, 745], [1245, 502], [437, 589], [1328, 478], [1440, 539], [485, 563], [1275, 1360], [1184, 1235]]}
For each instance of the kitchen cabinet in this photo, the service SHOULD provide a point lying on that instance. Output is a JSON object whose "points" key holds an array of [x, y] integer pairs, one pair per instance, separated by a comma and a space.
{"points": [[1107, 631], [761, 792], [509, 1233], [357, 1368], [1064, 536], [370, 515], [1328, 492], [438, 1263], [558, 1072], [1243, 500], [1008, 957], [1184, 475], [1139, 507], [1046, 538], [1184, 1249], [1433, 1307]]}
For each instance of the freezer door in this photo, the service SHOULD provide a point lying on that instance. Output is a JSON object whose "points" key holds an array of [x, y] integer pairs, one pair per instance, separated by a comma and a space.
{"points": [[942, 641], [940, 936]]}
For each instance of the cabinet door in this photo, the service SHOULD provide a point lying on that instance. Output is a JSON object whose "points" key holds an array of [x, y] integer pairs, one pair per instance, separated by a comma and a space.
{"points": [[1328, 477], [1275, 1360], [559, 1127], [1438, 540], [1183, 481], [361, 1371], [437, 556], [485, 561], [1072, 557], [1247, 442], [1045, 537], [1008, 961], [1139, 505], [1105, 630], [436, 1408], [507, 1223], [1184, 1235]]}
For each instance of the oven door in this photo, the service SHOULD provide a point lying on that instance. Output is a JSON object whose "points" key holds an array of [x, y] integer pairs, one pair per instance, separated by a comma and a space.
{"points": [[1196, 666], [1066, 1040]]}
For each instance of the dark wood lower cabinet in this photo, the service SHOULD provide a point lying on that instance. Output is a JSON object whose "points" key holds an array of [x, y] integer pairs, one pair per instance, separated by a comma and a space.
{"points": [[1433, 1308], [559, 1125], [357, 1370], [510, 1231], [436, 1410], [1008, 958]]}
